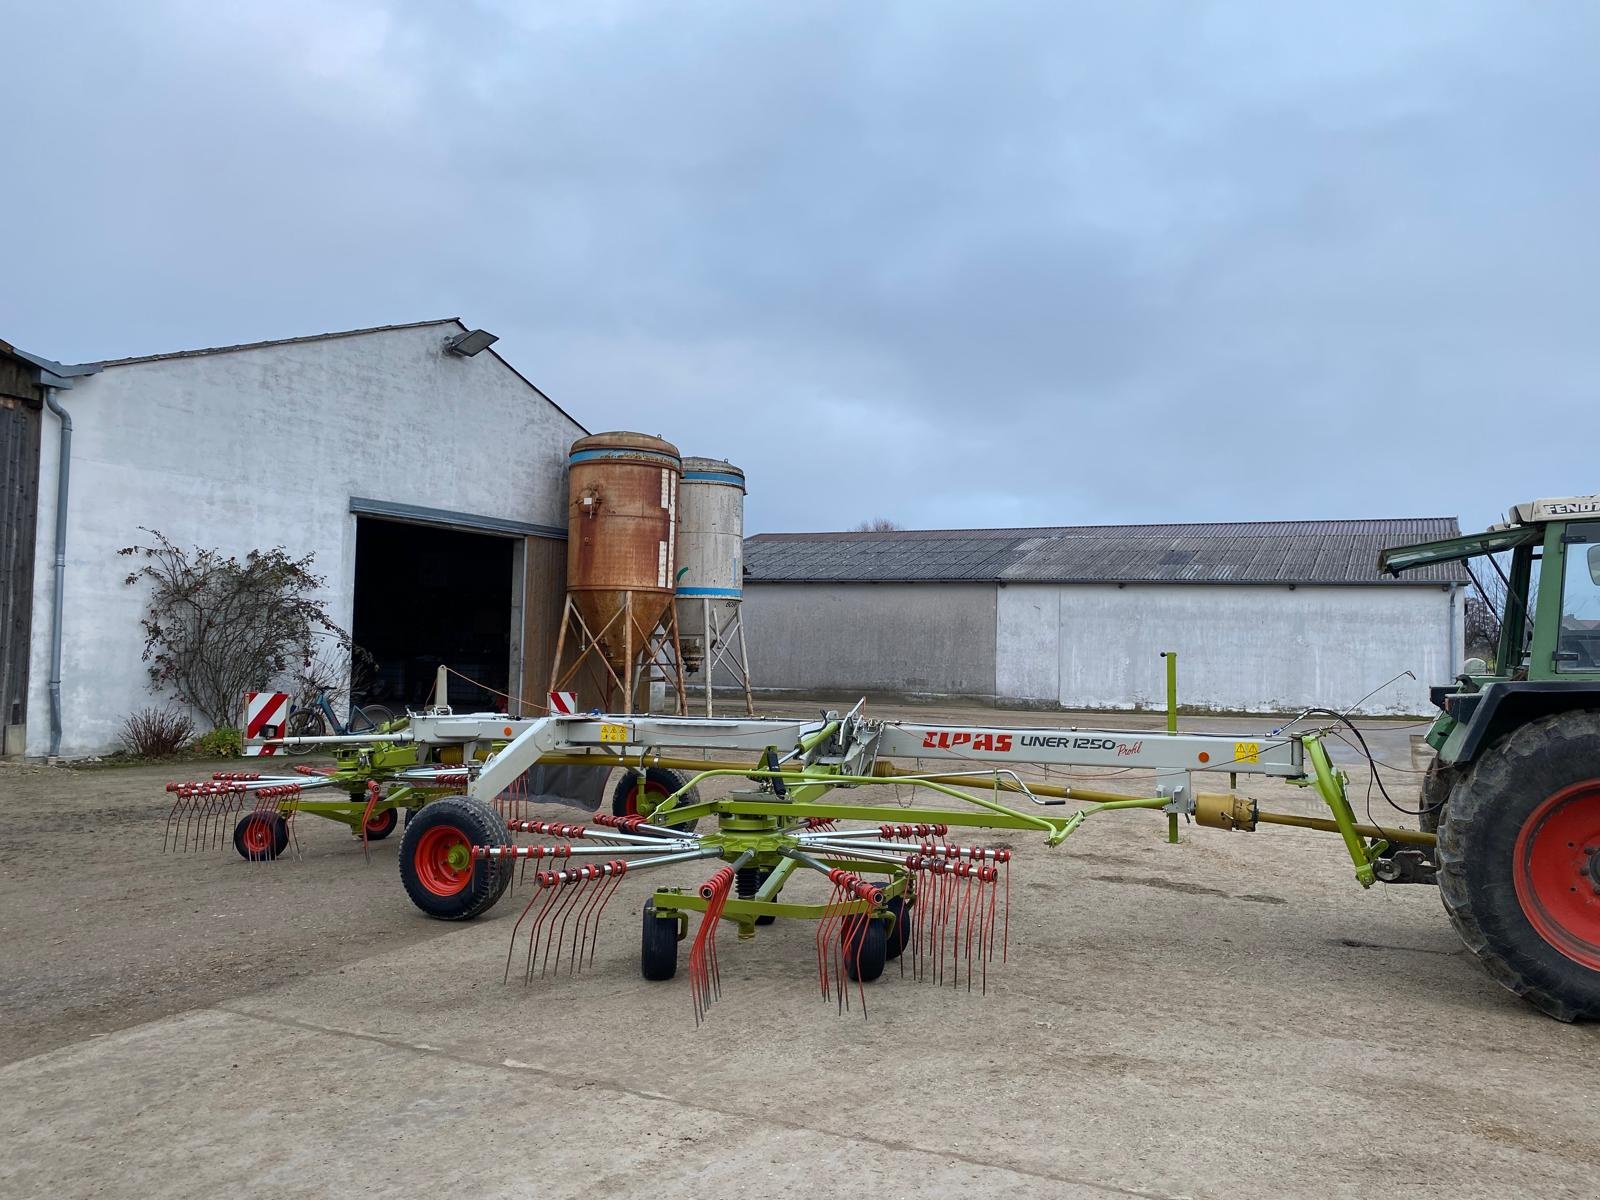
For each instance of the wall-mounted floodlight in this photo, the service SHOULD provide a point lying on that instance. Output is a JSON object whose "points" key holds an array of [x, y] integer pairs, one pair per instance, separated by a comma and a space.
{"points": [[470, 343]]}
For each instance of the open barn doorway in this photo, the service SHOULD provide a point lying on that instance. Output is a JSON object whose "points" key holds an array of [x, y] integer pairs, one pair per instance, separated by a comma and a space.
{"points": [[426, 596]]}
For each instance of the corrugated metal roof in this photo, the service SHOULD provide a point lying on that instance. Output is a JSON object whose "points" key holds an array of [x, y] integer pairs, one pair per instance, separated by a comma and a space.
{"points": [[1309, 552]]}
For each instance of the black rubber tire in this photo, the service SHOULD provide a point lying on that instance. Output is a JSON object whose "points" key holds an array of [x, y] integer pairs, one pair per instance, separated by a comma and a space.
{"points": [[867, 963], [658, 946], [1437, 783], [305, 722], [384, 822], [280, 837], [480, 825], [658, 780], [1487, 811], [900, 936]]}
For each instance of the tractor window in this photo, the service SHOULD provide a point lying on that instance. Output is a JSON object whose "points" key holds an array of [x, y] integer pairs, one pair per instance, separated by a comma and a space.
{"points": [[1520, 601], [1578, 642]]}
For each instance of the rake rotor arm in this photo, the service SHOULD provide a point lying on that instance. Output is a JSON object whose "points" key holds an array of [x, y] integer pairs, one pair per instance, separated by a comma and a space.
{"points": [[1015, 818]]}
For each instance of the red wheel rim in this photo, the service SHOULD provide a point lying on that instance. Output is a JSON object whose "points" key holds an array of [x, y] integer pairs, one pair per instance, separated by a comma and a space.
{"points": [[650, 789], [382, 820], [1556, 870], [257, 836], [432, 861]]}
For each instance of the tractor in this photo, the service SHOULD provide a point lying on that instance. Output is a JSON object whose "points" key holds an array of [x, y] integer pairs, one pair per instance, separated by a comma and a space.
{"points": [[1514, 790]]}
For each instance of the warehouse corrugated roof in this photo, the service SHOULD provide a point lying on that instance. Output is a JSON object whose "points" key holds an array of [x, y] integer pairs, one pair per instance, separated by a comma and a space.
{"points": [[1309, 552]]}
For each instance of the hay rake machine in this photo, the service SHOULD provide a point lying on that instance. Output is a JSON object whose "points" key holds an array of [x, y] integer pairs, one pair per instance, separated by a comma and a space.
{"points": [[902, 882], [370, 783]]}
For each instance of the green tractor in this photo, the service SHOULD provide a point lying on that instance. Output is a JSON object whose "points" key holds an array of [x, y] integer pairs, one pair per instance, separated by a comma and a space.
{"points": [[1514, 793]]}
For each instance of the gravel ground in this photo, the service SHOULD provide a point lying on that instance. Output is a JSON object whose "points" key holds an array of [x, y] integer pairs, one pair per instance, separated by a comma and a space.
{"points": [[1230, 1016]]}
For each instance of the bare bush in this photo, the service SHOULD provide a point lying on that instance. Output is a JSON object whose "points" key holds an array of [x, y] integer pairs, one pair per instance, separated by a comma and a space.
{"points": [[877, 525], [156, 732], [217, 626]]}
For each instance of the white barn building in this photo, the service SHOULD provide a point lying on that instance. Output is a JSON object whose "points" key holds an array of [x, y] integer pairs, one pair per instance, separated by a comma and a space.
{"points": [[425, 474], [1270, 616]]}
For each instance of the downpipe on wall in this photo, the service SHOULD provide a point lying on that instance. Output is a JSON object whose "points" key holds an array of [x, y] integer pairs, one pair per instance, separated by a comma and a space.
{"points": [[58, 589]]}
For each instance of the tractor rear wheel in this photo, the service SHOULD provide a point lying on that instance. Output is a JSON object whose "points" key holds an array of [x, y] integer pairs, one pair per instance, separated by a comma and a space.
{"points": [[1436, 784], [1519, 863], [436, 864], [659, 783]]}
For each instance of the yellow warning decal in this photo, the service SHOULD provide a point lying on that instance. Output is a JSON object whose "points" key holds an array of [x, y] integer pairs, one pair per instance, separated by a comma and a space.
{"points": [[613, 733], [1247, 752]]}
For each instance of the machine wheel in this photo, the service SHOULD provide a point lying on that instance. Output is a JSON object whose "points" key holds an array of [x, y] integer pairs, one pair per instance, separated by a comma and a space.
{"points": [[261, 837], [1436, 784], [658, 950], [900, 936], [864, 959], [305, 722], [436, 863], [659, 783], [1519, 863], [383, 823]]}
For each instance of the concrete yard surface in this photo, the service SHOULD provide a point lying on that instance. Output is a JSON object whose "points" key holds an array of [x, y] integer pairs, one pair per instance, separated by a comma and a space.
{"points": [[1228, 1017]]}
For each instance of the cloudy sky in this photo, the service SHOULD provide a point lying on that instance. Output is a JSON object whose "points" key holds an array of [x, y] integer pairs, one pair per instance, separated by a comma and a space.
{"points": [[952, 264]]}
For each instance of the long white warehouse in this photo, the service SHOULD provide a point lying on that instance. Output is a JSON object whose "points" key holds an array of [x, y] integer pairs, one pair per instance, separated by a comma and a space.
{"points": [[1269, 616]]}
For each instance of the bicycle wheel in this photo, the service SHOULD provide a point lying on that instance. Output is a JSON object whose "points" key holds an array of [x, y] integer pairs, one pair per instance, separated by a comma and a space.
{"points": [[304, 722], [369, 718]]}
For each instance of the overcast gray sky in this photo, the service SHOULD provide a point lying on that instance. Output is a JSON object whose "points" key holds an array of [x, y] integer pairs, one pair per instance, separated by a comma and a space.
{"points": [[953, 264]]}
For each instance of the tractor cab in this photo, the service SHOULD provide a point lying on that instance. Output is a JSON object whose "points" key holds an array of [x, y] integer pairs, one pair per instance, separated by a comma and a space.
{"points": [[1538, 573]]}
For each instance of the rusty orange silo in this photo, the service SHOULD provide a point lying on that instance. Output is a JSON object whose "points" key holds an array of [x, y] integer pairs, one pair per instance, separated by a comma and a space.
{"points": [[622, 526]]}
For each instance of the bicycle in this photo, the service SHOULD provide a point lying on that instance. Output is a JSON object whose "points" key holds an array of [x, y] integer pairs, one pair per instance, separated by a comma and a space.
{"points": [[316, 719]]}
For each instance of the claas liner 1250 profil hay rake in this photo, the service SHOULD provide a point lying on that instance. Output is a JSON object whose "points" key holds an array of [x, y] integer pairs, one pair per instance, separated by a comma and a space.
{"points": [[901, 880]]}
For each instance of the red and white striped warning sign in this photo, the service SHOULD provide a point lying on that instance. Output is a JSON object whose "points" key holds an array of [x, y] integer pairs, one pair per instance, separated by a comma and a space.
{"points": [[563, 704], [265, 716]]}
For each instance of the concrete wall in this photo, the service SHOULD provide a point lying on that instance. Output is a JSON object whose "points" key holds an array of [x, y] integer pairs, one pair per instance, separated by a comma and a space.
{"points": [[917, 638], [1241, 648], [263, 447]]}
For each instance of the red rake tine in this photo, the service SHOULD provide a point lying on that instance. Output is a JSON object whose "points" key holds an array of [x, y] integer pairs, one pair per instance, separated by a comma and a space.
{"points": [[830, 931], [182, 799], [214, 799], [373, 796], [172, 813], [549, 883], [974, 896], [553, 881], [994, 892], [572, 884], [616, 869], [580, 934], [221, 807], [700, 977], [917, 912], [822, 924], [947, 899]]}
